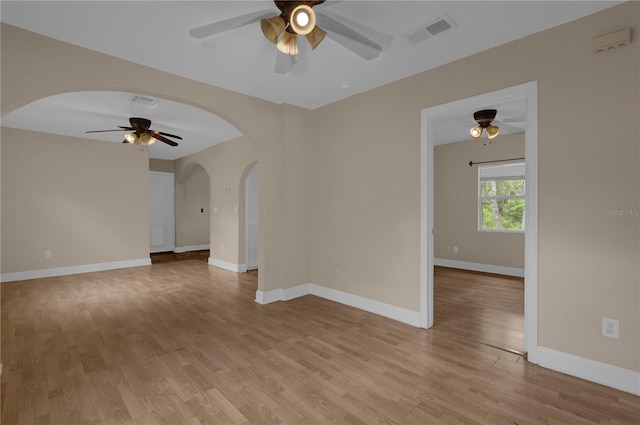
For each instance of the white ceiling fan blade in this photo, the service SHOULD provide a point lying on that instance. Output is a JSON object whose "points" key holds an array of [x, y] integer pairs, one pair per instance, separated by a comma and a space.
{"points": [[327, 3], [351, 39], [297, 64], [368, 33], [364, 51], [513, 119], [507, 128], [284, 63], [229, 24], [302, 58]]}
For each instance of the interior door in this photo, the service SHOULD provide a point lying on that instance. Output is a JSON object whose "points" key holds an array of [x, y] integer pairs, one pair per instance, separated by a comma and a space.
{"points": [[161, 212]]}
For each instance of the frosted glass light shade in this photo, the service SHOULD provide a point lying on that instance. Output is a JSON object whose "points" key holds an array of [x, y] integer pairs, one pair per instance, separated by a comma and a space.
{"points": [[146, 138], [288, 44], [315, 37], [302, 19], [272, 28], [492, 131]]}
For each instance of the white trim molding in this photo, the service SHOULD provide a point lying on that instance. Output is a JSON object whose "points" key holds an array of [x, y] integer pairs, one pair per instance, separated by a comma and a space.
{"points": [[400, 314], [180, 249], [63, 271], [477, 267], [590, 370], [232, 267], [527, 93]]}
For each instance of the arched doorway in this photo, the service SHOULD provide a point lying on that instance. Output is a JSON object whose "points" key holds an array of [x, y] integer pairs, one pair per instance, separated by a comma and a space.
{"points": [[192, 205]]}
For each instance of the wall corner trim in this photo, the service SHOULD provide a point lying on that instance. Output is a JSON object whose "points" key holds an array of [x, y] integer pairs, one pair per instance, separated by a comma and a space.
{"points": [[390, 311], [601, 373], [63, 271], [477, 267], [232, 267]]}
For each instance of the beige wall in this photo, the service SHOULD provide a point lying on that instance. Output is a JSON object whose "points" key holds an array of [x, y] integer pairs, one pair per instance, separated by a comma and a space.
{"points": [[456, 203], [366, 184], [161, 165], [65, 195], [351, 179], [296, 211]]}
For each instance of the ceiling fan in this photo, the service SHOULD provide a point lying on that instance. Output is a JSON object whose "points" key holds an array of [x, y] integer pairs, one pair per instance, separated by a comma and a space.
{"points": [[308, 18], [142, 133], [484, 119]]}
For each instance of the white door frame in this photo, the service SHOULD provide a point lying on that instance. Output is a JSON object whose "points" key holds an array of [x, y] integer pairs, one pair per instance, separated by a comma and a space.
{"points": [[528, 92], [248, 233]]}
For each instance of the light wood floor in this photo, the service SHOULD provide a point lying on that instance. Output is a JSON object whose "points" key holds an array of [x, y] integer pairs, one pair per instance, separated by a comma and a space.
{"points": [[484, 307], [185, 343]]}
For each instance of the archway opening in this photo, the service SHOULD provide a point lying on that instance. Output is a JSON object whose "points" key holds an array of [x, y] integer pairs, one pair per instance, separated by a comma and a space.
{"points": [[192, 206]]}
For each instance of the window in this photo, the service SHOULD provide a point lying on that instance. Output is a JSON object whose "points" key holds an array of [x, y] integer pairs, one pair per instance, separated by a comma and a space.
{"points": [[501, 190]]}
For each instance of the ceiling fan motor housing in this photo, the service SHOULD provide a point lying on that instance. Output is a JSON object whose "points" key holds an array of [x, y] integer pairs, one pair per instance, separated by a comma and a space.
{"points": [[140, 124], [485, 117]]}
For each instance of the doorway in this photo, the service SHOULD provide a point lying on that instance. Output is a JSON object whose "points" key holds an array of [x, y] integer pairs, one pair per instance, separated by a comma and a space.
{"points": [[527, 92], [161, 212]]}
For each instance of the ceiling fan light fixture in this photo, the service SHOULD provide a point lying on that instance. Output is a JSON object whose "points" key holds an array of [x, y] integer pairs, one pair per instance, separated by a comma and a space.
{"points": [[272, 28], [315, 37], [288, 44], [146, 138], [492, 131], [484, 118], [302, 19], [130, 138]]}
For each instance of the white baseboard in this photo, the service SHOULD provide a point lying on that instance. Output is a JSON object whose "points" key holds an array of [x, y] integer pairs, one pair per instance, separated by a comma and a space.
{"points": [[477, 267], [238, 268], [63, 271], [400, 314], [180, 249], [590, 370]]}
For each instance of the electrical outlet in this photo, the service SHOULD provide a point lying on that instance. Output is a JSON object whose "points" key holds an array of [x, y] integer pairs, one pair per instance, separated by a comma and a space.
{"points": [[47, 254], [610, 328], [456, 250]]}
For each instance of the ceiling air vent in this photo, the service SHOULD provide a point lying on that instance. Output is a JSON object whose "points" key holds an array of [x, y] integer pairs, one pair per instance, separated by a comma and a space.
{"points": [[436, 27], [143, 100]]}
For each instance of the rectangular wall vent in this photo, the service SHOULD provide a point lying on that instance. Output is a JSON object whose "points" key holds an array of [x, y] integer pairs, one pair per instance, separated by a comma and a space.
{"points": [[436, 27], [612, 40], [143, 100]]}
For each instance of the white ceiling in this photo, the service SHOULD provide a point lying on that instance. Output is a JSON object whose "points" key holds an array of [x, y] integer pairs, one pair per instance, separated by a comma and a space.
{"points": [[75, 113], [156, 34]]}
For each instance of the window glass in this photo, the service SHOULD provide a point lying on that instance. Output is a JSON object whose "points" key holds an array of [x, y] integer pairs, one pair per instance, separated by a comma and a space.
{"points": [[501, 198]]}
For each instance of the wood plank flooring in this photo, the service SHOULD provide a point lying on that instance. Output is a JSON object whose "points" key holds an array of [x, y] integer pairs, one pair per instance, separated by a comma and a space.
{"points": [[484, 307], [185, 343]]}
